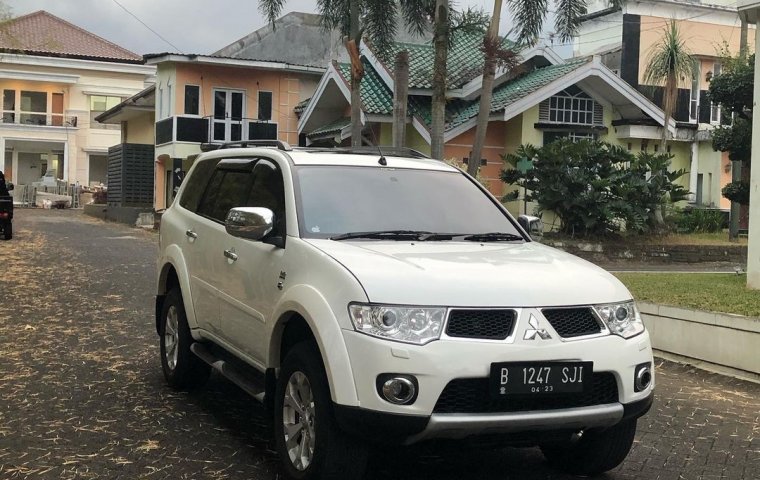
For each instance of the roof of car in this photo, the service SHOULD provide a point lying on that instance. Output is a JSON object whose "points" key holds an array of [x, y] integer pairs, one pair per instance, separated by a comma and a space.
{"points": [[363, 157]]}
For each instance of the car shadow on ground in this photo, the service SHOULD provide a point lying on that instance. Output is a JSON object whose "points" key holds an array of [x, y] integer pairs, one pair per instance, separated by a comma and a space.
{"points": [[245, 421]]}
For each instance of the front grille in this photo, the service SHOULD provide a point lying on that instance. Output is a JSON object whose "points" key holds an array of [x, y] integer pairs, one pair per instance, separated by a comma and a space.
{"points": [[472, 395], [485, 324], [572, 322]]}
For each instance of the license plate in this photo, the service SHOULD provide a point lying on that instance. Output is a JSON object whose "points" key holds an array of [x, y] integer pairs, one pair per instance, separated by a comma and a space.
{"points": [[539, 378]]}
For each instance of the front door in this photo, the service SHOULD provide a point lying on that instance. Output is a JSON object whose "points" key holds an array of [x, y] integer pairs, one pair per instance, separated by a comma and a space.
{"points": [[250, 291], [229, 110]]}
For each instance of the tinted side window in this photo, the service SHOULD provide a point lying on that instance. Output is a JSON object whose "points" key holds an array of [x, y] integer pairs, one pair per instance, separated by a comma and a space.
{"points": [[196, 184], [227, 189], [268, 191]]}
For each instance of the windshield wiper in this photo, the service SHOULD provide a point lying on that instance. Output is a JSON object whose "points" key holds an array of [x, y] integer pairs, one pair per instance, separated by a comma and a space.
{"points": [[387, 234], [493, 237]]}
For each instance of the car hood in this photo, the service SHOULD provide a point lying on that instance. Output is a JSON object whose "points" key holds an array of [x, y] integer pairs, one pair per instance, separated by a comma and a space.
{"points": [[473, 274]]}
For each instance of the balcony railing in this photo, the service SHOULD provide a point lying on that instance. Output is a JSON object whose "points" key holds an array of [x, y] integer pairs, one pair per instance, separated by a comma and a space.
{"points": [[40, 119], [210, 129]]}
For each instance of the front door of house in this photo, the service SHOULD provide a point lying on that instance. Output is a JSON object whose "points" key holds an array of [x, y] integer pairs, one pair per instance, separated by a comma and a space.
{"points": [[229, 110]]}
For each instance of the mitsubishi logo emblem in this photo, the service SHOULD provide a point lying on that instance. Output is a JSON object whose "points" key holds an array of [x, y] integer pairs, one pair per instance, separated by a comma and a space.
{"points": [[534, 331]]}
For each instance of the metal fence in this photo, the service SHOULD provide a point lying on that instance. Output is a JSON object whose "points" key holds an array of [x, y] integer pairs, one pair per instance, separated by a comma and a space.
{"points": [[26, 195]]}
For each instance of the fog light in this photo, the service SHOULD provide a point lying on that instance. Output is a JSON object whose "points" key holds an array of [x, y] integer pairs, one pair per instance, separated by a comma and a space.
{"points": [[643, 377], [397, 389]]}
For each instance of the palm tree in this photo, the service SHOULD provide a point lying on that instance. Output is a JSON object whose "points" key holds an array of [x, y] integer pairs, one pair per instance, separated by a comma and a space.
{"points": [[441, 31], [529, 17], [446, 23], [668, 62], [354, 19]]}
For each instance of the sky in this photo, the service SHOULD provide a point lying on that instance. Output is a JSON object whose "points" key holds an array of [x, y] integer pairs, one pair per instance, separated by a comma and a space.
{"points": [[186, 26]]}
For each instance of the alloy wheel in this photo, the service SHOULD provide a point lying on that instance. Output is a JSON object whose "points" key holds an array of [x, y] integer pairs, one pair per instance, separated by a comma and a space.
{"points": [[298, 421], [171, 337]]}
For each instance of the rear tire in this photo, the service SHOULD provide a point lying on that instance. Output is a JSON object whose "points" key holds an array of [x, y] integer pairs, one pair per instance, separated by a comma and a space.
{"points": [[595, 452], [8, 231], [182, 369], [307, 439]]}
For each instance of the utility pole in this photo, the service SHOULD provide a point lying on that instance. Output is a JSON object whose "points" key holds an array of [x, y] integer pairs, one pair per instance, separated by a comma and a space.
{"points": [[736, 166]]}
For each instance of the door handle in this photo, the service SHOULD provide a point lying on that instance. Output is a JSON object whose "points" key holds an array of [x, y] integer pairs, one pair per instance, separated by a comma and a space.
{"points": [[191, 234], [231, 255]]}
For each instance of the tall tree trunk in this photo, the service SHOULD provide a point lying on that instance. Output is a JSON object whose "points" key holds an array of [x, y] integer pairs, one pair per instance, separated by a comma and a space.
{"points": [[400, 97], [438, 108], [489, 71], [357, 71], [670, 94]]}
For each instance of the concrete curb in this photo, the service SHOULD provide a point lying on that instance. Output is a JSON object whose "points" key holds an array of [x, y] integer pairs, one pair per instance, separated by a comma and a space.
{"points": [[718, 342]]}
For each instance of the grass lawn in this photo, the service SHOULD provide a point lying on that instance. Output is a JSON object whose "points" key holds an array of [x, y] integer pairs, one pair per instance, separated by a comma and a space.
{"points": [[715, 292]]}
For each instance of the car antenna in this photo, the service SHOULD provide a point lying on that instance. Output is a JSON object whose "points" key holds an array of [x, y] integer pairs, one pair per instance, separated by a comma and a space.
{"points": [[382, 161]]}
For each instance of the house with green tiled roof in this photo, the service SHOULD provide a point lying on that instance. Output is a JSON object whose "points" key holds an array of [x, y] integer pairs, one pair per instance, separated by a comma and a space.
{"points": [[543, 99]]}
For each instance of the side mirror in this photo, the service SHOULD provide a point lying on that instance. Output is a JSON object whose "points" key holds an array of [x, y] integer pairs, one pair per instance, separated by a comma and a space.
{"points": [[533, 225], [9, 186], [251, 223]]}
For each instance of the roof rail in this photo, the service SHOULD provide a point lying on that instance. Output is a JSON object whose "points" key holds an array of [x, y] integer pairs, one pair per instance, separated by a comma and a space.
{"points": [[210, 147], [369, 150]]}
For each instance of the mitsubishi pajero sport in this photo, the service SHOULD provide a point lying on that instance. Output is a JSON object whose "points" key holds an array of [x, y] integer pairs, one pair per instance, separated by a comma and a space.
{"points": [[372, 297]]}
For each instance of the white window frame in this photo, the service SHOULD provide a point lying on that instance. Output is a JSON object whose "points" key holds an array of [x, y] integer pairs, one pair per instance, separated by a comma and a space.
{"points": [[563, 107], [694, 94], [227, 121], [715, 108]]}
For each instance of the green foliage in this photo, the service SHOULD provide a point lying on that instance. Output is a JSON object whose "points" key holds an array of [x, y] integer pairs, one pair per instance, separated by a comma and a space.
{"points": [[734, 89], [668, 61], [596, 188], [699, 220], [735, 139], [737, 192]]}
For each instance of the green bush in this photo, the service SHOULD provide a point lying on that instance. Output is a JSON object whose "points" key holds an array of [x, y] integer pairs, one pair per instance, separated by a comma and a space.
{"points": [[737, 192], [595, 188], [699, 220]]}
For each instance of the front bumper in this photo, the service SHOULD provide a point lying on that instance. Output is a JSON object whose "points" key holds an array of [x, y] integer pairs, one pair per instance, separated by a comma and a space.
{"points": [[381, 427], [436, 364]]}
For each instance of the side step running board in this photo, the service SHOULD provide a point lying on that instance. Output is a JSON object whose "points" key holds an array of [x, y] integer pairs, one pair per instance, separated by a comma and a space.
{"points": [[251, 387]]}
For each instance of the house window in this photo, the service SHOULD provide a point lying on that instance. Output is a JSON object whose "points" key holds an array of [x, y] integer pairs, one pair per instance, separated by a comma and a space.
{"points": [[265, 106], [192, 99], [100, 104], [33, 108], [9, 106], [694, 95], [550, 137], [715, 110], [571, 106]]}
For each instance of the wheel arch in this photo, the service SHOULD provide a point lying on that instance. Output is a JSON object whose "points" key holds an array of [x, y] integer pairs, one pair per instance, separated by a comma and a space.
{"points": [[173, 273], [296, 323]]}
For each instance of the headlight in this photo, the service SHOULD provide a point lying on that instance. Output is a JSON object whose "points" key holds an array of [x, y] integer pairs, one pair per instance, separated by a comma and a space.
{"points": [[622, 319], [417, 325]]}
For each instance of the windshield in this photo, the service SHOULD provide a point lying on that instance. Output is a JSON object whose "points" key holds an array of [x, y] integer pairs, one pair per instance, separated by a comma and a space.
{"points": [[338, 200]]}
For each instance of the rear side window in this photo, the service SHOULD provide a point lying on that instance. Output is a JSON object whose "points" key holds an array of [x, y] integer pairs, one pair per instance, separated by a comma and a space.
{"points": [[196, 184], [227, 189]]}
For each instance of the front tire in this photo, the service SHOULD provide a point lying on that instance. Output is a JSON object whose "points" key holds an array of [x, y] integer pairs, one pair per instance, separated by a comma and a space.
{"points": [[595, 452], [307, 439], [182, 369]]}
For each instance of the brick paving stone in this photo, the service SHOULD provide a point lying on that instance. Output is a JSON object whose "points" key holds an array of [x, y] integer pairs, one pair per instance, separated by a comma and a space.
{"points": [[82, 395]]}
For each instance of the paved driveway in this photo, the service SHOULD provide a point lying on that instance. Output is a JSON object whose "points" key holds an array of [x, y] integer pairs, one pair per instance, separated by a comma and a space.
{"points": [[82, 396]]}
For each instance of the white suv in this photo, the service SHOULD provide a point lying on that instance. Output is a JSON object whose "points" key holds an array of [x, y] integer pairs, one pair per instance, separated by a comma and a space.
{"points": [[371, 298]]}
